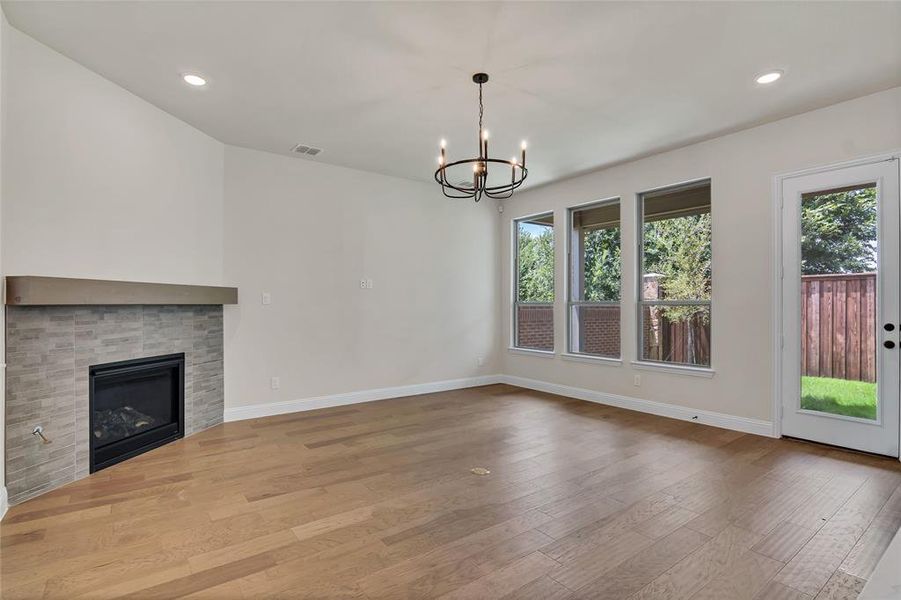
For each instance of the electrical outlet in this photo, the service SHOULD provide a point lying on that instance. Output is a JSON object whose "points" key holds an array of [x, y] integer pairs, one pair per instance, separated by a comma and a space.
{"points": [[275, 383], [369, 284], [266, 298], [637, 381], [362, 284]]}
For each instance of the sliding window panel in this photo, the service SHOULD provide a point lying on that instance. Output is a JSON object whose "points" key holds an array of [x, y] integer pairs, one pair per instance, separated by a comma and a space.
{"points": [[595, 279], [676, 333], [533, 306]]}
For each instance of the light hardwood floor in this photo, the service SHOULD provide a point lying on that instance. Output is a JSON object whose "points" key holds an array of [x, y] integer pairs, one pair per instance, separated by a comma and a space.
{"points": [[377, 501]]}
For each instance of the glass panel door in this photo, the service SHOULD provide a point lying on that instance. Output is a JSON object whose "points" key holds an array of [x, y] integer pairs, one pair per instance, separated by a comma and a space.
{"points": [[841, 307]]}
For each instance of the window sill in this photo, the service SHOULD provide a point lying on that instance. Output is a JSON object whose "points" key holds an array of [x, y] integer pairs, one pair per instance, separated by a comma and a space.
{"points": [[531, 352], [674, 369], [588, 358]]}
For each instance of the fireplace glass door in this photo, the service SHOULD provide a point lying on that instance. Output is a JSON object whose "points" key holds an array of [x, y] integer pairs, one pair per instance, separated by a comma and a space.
{"points": [[136, 405]]}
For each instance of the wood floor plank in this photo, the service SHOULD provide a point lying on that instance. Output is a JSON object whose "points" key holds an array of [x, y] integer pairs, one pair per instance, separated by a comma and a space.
{"points": [[543, 588], [505, 580], [842, 586], [784, 541], [814, 564], [663, 524], [377, 502], [863, 557], [777, 591], [743, 581], [827, 501], [580, 569], [720, 554], [638, 571]]}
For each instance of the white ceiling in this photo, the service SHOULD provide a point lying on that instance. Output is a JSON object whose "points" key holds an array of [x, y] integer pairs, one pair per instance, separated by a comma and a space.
{"points": [[377, 85]]}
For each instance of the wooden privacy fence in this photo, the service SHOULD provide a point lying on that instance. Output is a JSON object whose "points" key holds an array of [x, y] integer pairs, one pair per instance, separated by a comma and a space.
{"points": [[686, 342], [838, 326]]}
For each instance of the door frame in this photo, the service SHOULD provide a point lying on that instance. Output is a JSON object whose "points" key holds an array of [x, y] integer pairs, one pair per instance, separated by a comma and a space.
{"points": [[778, 270]]}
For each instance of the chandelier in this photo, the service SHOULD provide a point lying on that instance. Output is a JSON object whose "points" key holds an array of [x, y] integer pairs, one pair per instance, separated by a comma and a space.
{"points": [[475, 184]]}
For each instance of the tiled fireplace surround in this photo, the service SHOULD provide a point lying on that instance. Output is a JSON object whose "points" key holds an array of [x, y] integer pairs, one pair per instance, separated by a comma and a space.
{"points": [[49, 350]]}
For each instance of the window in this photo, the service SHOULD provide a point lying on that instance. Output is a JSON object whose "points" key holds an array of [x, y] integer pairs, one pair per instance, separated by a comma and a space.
{"points": [[533, 311], [675, 276], [594, 279]]}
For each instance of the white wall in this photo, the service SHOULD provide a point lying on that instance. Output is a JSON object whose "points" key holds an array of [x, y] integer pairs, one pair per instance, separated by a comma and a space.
{"points": [[742, 167], [4, 28], [99, 183], [307, 233]]}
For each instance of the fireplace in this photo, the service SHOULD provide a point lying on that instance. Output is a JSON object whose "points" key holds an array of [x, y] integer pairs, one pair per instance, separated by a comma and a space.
{"points": [[135, 406]]}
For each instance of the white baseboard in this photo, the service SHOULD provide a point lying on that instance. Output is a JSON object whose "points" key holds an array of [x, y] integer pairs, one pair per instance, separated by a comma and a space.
{"points": [[672, 411], [239, 413], [4, 501], [743, 424]]}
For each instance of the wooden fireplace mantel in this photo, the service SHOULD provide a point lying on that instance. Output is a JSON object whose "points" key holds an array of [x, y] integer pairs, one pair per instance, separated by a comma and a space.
{"points": [[28, 290]]}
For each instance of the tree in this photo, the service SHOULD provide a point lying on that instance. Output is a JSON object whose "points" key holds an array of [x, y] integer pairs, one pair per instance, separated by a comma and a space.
{"points": [[536, 265], [603, 265], [838, 232], [679, 250]]}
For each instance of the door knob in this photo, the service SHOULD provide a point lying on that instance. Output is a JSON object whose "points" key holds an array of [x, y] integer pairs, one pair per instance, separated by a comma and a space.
{"points": [[888, 344], [889, 326]]}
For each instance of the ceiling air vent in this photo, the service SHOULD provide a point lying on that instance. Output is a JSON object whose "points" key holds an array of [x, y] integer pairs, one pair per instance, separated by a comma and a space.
{"points": [[304, 149]]}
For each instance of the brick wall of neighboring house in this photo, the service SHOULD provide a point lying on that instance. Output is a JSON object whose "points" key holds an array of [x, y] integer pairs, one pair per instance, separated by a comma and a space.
{"points": [[535, 327], [599, 330]]}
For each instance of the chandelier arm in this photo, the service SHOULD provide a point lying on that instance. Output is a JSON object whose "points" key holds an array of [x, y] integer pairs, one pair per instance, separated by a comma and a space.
{"points": [[501, 188], [465, 193], [464, 161], [455, 197], [462, 193]]}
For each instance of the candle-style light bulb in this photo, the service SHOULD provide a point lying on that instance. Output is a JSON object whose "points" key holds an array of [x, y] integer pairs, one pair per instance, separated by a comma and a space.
{"points": [[443, 143], [523, 161], [441, 160]]}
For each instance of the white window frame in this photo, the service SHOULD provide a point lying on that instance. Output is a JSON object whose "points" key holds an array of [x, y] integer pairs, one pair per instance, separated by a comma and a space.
{"points": [[572, 277], [514, 347], [639, 361]]}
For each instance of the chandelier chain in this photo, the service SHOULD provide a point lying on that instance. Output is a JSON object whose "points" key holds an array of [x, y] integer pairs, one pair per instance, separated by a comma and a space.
{"points": [[481, 110]]}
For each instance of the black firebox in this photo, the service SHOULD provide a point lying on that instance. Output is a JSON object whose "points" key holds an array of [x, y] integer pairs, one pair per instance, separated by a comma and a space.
{"points": [[135, 406]]}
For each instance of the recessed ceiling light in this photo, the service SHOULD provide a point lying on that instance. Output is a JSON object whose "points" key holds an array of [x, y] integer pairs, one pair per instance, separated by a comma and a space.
{"points": [[192, 79], [769, 77]]}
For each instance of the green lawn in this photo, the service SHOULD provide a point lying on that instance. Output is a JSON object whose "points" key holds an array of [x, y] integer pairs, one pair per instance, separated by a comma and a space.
{"points": [[839, 396]]}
